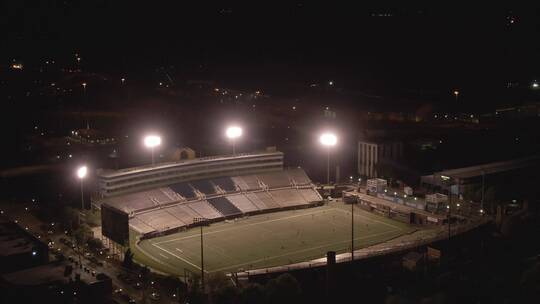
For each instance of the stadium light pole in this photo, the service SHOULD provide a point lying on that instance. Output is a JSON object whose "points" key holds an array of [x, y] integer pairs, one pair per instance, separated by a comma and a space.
{"points": [[352, 232], [81, 174], [328, 140], [152, 141], [202, 221], [233, 132]]}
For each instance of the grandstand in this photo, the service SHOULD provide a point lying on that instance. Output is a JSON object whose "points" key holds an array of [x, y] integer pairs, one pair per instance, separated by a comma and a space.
{"points": [[225, 183], [204, 186], [176, 204], [275, 179], [247, 182], [184, 189], [288, 197], [299, 177], [241, 202], [205, 210], [224, 206], [256, 201], [267, 200]]}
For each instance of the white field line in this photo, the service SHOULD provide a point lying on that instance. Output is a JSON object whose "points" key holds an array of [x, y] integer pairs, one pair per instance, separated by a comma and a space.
{"points": [[243, 226], [302, 250], [176, 256], [161, 254]]}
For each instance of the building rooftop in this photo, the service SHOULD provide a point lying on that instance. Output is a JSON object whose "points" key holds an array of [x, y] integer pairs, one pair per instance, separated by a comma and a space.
{"points": [[51, 273], [14, 246], [127, 171], [14, 241], [491, 168]]}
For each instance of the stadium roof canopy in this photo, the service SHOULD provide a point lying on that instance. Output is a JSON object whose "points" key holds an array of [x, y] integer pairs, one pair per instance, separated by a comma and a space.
{"points": [[116, 173]]}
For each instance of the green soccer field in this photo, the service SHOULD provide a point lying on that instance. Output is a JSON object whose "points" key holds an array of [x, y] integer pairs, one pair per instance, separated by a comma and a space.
{"points": [[268, 240]]}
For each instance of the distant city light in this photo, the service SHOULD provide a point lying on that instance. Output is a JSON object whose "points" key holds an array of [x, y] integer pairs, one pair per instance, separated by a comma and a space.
{"points": [[34, 253], [331, 82], [17, 66], [535, 85]]}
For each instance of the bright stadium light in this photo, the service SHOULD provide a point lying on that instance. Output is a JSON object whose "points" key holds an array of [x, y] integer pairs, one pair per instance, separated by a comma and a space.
{"points": [[328, 140], [152, 141], [81, 174], [233, 132], [82, 171]]}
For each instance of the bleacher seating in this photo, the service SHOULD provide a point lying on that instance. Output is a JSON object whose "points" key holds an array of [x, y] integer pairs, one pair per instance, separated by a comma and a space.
{"points": [[223, 205], [159, 219], [247, 182], [267, 199], [243, 203], [132, 202], [181, 212], [310, 195], [139, 226], [288, 197], [204, 185], [171, 194], [184, 189], [158, 196], [205, 210], [275, 179], [165, 208], [225, 183], [256, 201], [299, 176]]}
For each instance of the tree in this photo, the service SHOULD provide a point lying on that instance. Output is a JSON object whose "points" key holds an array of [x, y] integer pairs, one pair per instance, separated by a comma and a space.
{"points": [[95, 243], [283, 289], [81, 234], [69, 218], [226, 295], [217, 281], [128, 259], [252, 293]]}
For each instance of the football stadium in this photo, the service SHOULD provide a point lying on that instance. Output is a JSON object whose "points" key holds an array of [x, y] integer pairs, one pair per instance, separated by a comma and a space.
{"points": [[237, 212]]}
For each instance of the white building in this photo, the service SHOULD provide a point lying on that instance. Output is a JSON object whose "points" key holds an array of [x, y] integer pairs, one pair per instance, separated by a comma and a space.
{"points": [[115, 182], [371, 154]]}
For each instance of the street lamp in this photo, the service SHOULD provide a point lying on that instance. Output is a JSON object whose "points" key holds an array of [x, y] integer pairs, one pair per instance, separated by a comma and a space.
{"points": [[456, 93], [329, 140], [233, 133], [152, 141], [81, 174]]}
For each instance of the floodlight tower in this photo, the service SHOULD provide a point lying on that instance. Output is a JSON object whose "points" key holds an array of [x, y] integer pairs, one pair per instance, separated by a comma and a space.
{"points": [[81, 174], [328, 140], [233, 132], [152, 141], [202, 222]]}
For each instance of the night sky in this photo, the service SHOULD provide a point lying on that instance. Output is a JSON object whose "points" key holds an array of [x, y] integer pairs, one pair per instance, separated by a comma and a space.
{"points": [[393, 48]]}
